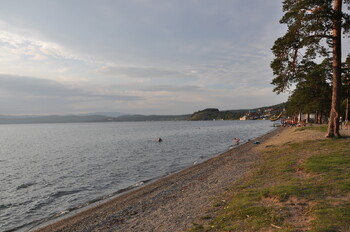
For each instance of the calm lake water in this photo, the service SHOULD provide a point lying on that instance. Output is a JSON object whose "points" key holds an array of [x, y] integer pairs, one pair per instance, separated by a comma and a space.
{"points": [[47, 170]]}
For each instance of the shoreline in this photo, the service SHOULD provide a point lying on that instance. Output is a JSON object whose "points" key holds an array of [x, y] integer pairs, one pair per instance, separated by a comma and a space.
{"points": [[170, 203]]}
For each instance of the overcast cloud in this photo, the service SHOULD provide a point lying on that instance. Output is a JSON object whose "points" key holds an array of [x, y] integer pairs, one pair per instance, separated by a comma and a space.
{"points": [[136, 56]]}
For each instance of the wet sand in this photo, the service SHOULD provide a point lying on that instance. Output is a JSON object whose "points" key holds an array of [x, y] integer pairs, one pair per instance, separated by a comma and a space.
{"points": [[174, 202]]}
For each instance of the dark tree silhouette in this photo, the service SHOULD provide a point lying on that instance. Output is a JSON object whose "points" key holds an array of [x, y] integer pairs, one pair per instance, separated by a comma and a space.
{"points": [[314, 29], [313, 93], [346, 85]]}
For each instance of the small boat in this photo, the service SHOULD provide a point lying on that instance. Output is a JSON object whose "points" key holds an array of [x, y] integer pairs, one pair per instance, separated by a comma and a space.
{"points": [[277, 117]]}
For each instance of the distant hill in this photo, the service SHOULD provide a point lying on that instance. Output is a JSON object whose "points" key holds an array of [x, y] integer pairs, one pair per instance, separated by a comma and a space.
{"points": [[215, 114], [108, 114], [206, 114], [139, 117], [54, 119], [4, 119], [279, 106]]}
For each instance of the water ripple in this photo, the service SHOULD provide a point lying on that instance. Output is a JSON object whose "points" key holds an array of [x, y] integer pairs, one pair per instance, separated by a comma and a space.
{"points": [[26, 185], [64, 193]]}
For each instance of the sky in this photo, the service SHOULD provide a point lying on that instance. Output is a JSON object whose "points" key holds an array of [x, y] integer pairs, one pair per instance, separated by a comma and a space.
{"points": [[136, 56]]}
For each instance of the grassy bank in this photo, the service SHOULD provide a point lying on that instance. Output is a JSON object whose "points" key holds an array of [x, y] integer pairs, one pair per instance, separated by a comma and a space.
{"points": [[303, 186]]}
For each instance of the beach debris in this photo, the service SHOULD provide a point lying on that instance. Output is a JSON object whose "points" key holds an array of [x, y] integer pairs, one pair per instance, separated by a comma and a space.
{"points": [[132, 213], [278, 227], [63, 212], [257, 142], [138, 184], [236, 141], [159, 140]]}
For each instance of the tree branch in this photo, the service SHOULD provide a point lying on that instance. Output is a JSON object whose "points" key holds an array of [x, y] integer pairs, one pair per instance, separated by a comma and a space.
{"points": [[321, 36], [312, 10]]}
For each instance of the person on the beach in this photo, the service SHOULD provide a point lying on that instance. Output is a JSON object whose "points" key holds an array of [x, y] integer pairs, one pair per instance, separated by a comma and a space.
{"points": [[346, 124], [236, 141]]}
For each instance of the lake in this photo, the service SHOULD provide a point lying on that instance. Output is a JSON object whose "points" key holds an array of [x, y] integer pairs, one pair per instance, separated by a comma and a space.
{"points": [[47, 170]]}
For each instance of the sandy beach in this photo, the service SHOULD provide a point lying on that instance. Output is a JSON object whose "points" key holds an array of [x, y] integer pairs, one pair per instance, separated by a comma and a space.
{"points": [[173, 202]]}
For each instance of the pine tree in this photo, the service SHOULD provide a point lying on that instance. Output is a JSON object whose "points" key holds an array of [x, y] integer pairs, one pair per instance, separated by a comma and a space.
{"points": [[314, 29], [313, 93]]}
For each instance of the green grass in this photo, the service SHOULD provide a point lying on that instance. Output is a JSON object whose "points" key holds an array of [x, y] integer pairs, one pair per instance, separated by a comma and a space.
{"points": [[197, 227], [309, 180], [331, 218], [322, 128]]}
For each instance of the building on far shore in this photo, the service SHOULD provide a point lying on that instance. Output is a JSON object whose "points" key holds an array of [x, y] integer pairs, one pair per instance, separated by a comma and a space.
{"points": [[262, 113]]}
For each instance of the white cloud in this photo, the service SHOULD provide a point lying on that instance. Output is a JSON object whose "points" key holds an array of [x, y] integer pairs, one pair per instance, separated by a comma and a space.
{"points": [[32, 48], [29, 87], [171, 88], [140, 72]]}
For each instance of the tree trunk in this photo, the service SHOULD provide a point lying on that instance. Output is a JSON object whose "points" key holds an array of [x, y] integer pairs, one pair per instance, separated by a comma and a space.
{"points": [[347, 109], [319, 117], [307, 118], [333, 124], [316, 117]]}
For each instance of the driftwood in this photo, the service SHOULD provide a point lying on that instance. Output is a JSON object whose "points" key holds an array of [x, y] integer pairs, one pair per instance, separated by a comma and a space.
{"points": [[278, 227]]}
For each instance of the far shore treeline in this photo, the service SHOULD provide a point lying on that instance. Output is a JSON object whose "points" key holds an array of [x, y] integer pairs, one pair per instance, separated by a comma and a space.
{"points": [[206, 114]]}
